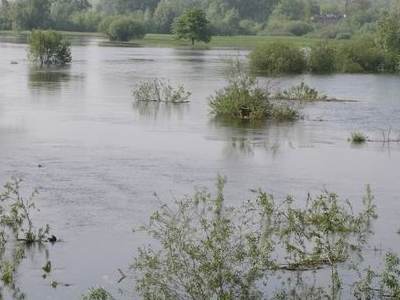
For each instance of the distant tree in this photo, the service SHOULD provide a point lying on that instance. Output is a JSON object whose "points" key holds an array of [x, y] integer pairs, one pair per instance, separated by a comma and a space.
{"points": [[194, 26], [389, 31], [5, 15], [49, 48], [32, 14]]}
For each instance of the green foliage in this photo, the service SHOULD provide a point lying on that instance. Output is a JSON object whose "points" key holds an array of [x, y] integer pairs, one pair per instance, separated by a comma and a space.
{"points": [[243, 99], [193, 26], [278, 58], [301, 92], [49, 48], [384, 285], [32, 14], [358, 138], [208, 250], [360, 56], [389, 31], [299, 28], [125, 29], [17, 231], [322, 59], [158, 90], [97, 294]]}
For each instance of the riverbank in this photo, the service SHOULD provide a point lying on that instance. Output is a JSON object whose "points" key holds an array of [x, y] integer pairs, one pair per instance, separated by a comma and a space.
{"points": [[168, 40]]}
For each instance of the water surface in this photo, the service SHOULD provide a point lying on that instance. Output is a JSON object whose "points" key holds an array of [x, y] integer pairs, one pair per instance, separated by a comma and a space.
{"points": [[104, 158]]}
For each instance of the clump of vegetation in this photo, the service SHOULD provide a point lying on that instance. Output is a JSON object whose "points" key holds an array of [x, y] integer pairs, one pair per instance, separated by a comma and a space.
{"points": [[193, 26], [278, 58], [322, 59], [17, 231], [209, 250], [97, 294], [158, 90], [49, 48], [243, 99], [124, 29], [358, 138], [301, 92], [384, 285]]}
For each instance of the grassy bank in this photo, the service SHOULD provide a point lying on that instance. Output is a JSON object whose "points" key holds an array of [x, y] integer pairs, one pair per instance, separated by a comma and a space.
{"points": [[168, 40], [242, 42]]}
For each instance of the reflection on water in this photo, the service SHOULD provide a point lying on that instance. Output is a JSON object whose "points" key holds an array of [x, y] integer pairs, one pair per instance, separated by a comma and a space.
{"points": [[160, 110]]}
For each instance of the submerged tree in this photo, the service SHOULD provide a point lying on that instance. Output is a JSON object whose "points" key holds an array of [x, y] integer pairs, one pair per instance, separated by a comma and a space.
{"points": [[49, 48], [194, 26]]}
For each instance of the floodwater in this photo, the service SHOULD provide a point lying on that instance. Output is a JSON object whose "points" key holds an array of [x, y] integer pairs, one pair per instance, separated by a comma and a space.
{"points": [[102, 158]]}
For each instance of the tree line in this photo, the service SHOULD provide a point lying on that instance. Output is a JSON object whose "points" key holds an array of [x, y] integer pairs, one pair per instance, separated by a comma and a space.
{"points": [[323, 18]]}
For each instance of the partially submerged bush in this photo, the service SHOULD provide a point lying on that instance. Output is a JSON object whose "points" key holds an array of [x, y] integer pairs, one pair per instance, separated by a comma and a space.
{"points": [[358, 138], [49, 48], [17, 231], [301, 92], [361, 56], [208, 250], [322, 59], [158, 90], [123, 29], [278, 58], [243, 99]]}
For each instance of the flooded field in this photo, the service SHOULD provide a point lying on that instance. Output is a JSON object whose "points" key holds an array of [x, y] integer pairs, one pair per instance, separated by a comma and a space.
{"points": [[97, 159]]}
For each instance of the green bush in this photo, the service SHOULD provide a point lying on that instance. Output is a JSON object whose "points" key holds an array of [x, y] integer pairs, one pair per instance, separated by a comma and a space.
{"points": [[299, 28], [360, 56], [123, 29], [278, 58], [322, 59], [243, 99], [49, 48]]}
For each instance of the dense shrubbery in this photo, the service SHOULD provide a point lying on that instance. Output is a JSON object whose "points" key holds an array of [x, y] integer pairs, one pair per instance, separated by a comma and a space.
{"points": [[49, 48], [322, 59], [278, 58], [243, 99], [355, 56], [124, 29]]}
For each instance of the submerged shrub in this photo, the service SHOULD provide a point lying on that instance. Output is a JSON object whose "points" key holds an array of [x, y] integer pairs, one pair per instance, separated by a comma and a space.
{"points": [[360, 56], [17, 232], [208, 250], [49, 48], [358, 138], [242, 99], [322, 59], [301, 92], [157, 90], [124, 29], [278, 58]]}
